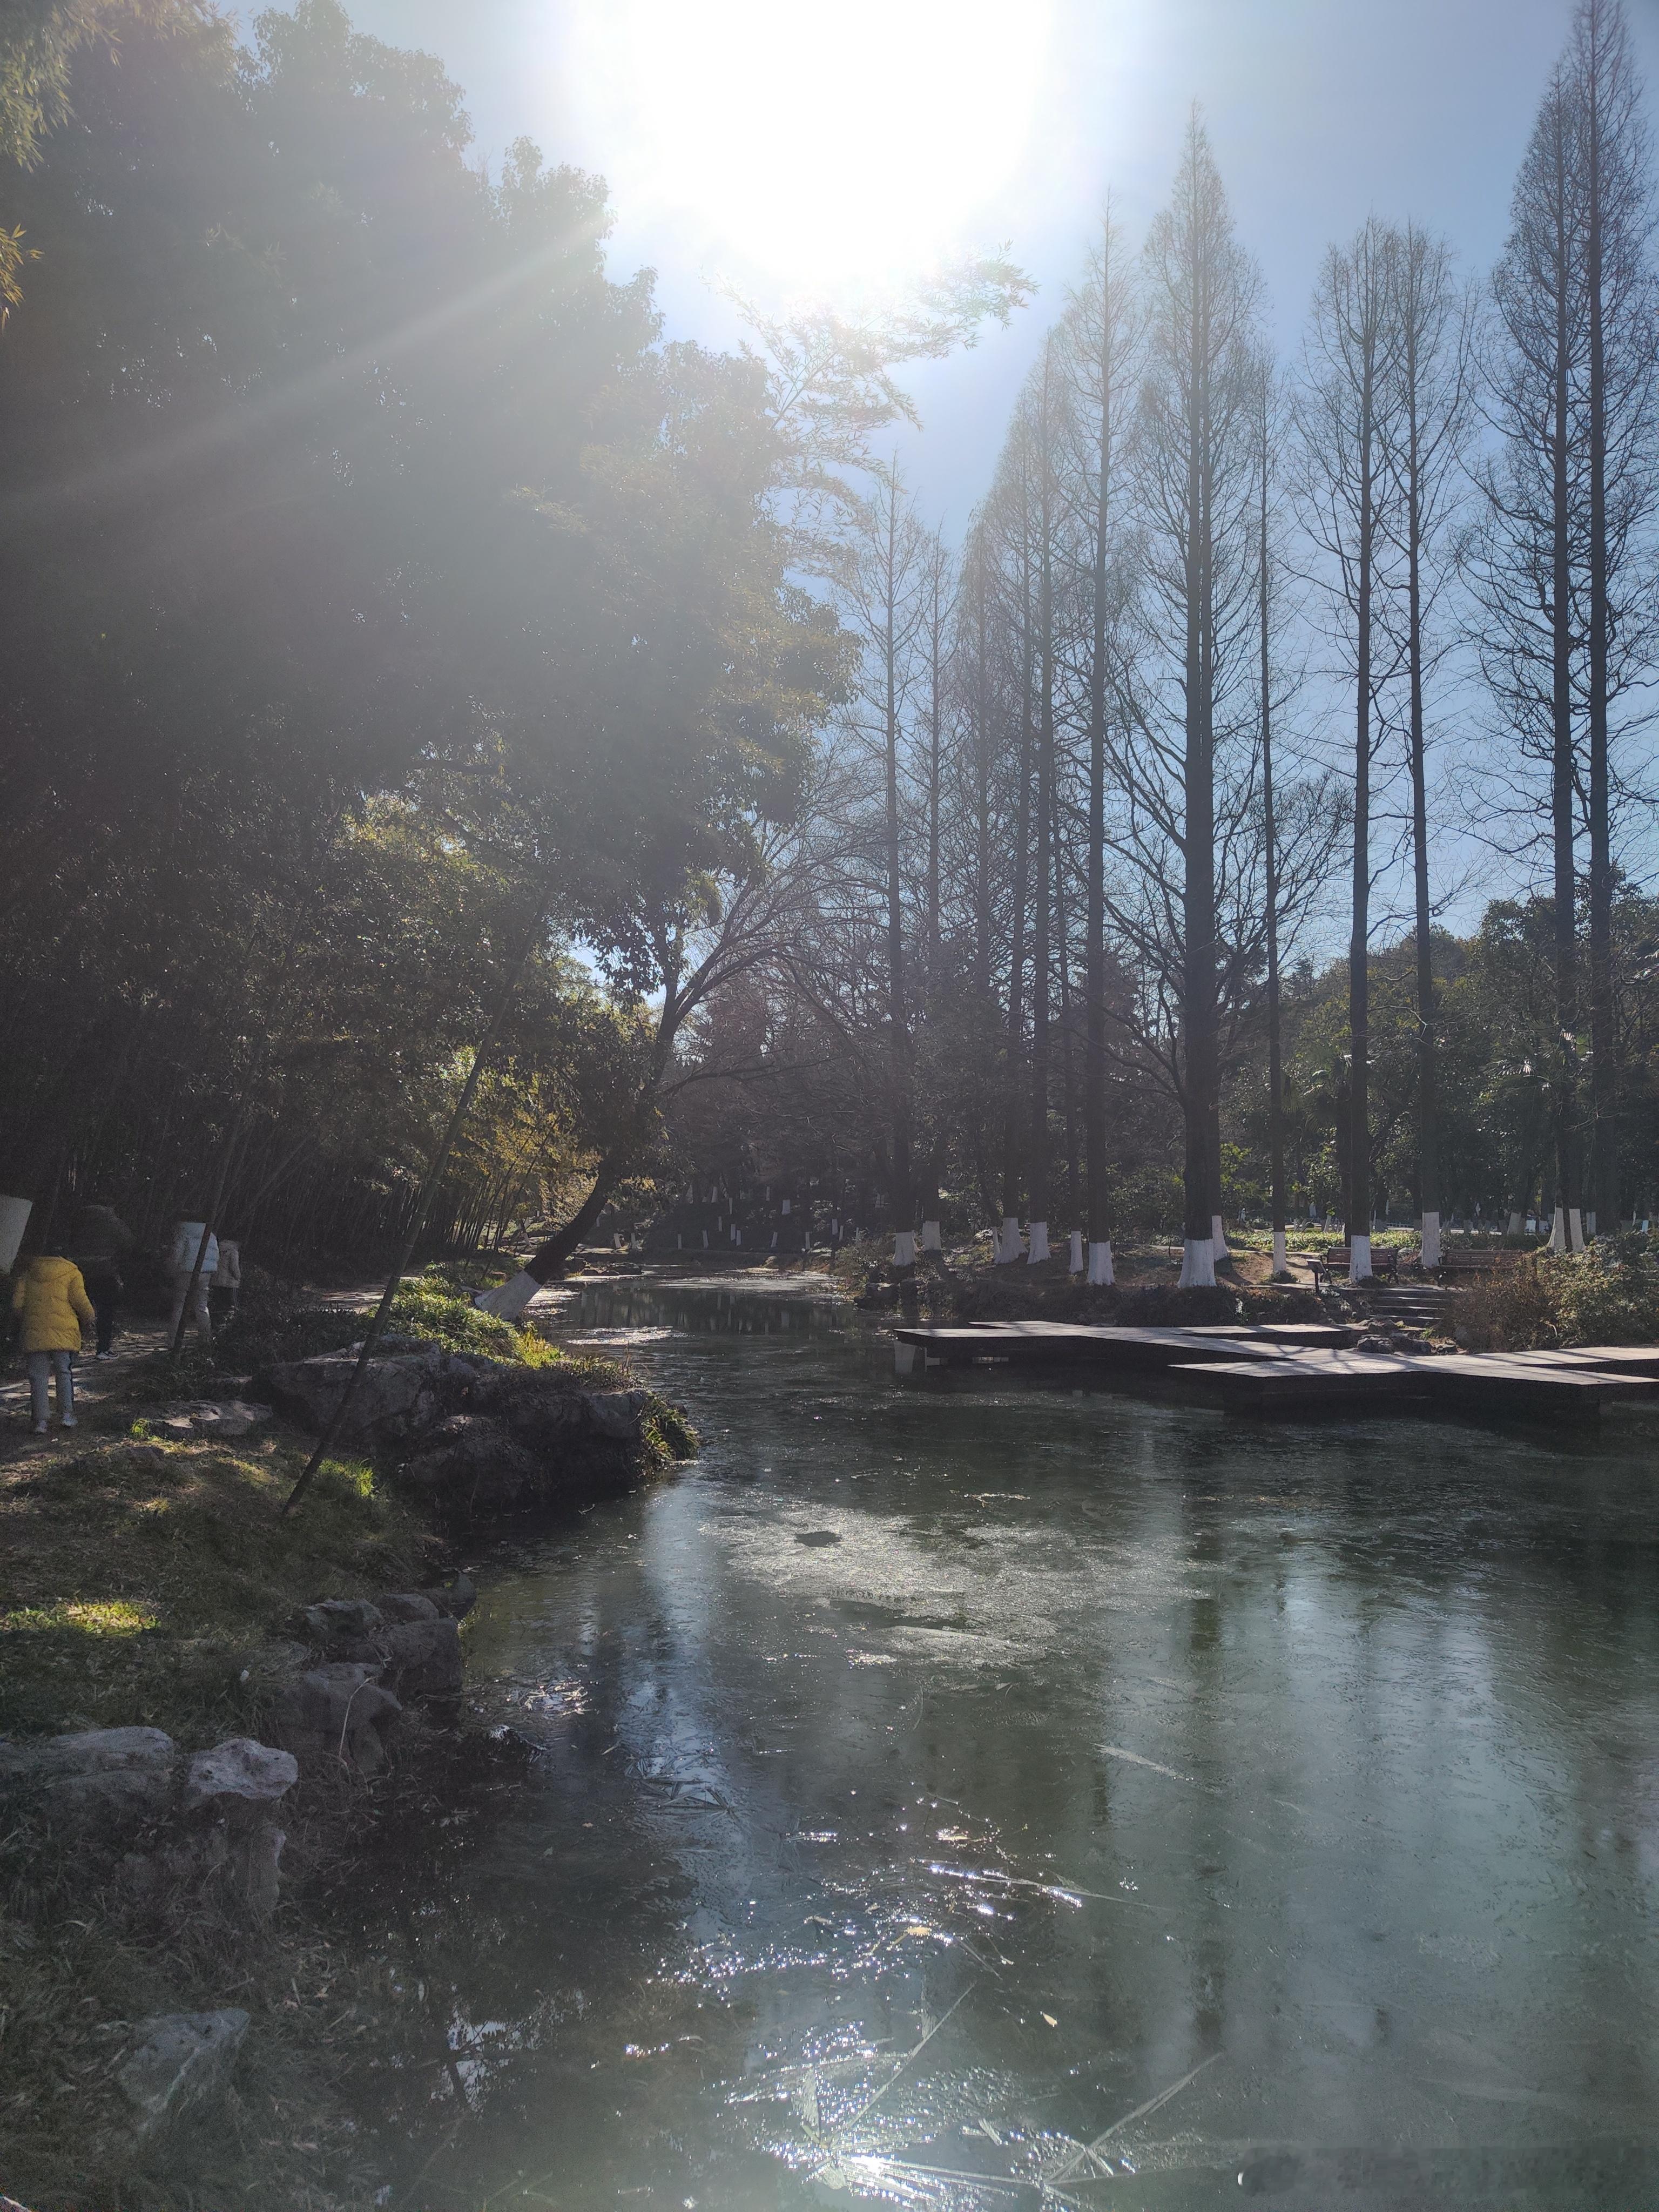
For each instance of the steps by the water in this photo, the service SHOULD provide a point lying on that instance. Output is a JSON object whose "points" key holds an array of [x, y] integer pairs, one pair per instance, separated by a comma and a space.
{"points": [[1423, 1306]]}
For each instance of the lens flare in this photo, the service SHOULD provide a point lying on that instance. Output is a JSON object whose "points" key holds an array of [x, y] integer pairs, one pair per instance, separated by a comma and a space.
{"points": [[815, 148]]}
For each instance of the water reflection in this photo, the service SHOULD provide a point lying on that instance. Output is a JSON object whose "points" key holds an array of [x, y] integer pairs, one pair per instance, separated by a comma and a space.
{"points": [[1001, 1795]]}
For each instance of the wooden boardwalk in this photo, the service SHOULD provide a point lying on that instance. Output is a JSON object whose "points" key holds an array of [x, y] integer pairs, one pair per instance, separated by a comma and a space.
{"points": [[1064, 1344], [1304, 1367]]}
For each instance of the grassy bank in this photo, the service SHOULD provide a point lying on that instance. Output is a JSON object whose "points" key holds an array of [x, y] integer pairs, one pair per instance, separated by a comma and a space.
{"points": [[147, 1581]]}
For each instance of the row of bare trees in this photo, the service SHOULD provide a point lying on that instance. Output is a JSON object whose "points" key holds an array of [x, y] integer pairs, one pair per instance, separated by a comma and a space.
{"points": [[1090, 785]]}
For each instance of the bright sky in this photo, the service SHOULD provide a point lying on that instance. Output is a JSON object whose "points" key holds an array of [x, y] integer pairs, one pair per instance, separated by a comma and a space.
{"points": [[792, 151]]}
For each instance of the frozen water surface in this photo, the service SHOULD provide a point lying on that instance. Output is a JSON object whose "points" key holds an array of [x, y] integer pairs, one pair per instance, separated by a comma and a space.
{"points": [[992, 1795]]}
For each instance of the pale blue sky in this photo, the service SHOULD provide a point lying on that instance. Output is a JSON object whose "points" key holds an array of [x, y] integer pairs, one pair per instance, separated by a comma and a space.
{"points": [[1321, 110]]}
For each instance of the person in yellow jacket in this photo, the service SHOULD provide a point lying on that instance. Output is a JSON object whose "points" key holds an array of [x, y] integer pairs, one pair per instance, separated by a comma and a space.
{"points": [[53, 1300]]}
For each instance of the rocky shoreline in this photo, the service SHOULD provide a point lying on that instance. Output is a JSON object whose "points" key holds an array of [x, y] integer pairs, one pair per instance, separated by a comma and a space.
{"points": [[165, 1856]]}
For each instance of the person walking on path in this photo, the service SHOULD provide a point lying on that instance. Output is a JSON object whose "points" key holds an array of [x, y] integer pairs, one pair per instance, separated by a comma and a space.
{"points": [[181, 1261], [226, 1288], [53, 1300], [101, 1241]]}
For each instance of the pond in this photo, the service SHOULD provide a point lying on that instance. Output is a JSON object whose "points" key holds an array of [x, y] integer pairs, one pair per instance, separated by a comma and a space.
{"points": [[980, 1794]]}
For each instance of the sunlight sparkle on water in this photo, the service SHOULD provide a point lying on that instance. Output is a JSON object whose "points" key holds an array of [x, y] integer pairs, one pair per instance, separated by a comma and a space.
{"points": [[815, 147]]}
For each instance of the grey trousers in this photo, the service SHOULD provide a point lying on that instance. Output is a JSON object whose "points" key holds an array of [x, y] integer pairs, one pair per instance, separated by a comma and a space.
{"points": [[41, 1364]]}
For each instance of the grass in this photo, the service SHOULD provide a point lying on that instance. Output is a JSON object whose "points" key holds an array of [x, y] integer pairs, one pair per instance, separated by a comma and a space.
{"points": [[135, 1578]]}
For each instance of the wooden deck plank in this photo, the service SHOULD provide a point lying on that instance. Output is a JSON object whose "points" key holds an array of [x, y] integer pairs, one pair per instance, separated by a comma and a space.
{"points": [[1480, 1382], [1056, 1343]]}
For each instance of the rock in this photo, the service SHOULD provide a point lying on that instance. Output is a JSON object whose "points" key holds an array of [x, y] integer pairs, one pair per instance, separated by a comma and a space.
{"points": [[210, 1416], [470, 1465], [99, 1778], [457, 1598], [408, 1605], [238, 1768], [617, 1415], [422, 1657], [335, 1618], [402, 1393], [232, 1792], [179, 2063], [335, 1716], [418, 1656]]}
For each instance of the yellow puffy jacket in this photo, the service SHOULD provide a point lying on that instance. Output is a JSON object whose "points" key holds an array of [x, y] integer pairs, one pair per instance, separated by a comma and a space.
{"points": [[53, 1302]]}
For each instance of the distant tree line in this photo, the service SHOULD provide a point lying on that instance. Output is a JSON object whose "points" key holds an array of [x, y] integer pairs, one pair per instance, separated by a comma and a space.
{"points": [[1232, 641]]}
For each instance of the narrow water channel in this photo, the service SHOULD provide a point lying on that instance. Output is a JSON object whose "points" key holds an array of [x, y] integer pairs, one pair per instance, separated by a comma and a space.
{"points": [[934, 1778]]}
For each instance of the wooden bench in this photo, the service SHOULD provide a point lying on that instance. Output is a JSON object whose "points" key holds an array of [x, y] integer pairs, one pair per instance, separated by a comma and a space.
{"points": [[1476, 1261], [1334, 1266]]}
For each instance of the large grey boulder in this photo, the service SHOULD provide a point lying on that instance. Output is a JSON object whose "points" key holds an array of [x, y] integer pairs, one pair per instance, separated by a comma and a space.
{"points": [[409, 1605], [335, 1716], [529, 1447], [333, 1618], [207, 1824], [251, 1773], [405, 1389], [99, 1779], [179, 2063], [470, 1465]]}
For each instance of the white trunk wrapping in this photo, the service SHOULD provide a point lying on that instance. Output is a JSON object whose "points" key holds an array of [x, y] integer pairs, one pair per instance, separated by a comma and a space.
{"points": [[1039, 1243], [904, 1248], [1100, 1263], [1281, 1264], [931, 1239], [508, 1300], [1559, 1230], [1008, 1247], [1074, 1253], [1512, 1227], [1198, 1265], [1430, 1241], [1359, 1259], [1576, 1230], [1218, 1237]]}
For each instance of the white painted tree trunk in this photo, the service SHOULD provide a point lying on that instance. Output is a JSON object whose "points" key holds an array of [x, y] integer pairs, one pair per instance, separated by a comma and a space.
{"points": [[904, 1248], [1198, 1265], [1576, 1230], [1281, 1264], [1074, 1253], [1359, 1259], [1008, 1244], [1430, 1241], [1039, 1243], [931, 1239], [1512, 1225], [1218, 1237], [508, 1300], [1558, 1229], [1100, 1263]]}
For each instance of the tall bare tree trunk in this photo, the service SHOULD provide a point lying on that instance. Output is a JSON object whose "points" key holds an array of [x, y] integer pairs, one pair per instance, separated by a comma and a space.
{"points": [[1270, 840]]}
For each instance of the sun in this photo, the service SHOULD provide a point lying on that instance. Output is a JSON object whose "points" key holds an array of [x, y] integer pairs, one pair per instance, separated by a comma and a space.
{"points": [[814, 147]]}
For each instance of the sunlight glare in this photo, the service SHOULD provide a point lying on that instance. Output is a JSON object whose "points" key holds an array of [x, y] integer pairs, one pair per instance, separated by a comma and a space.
{"points": [[817, 147]]}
